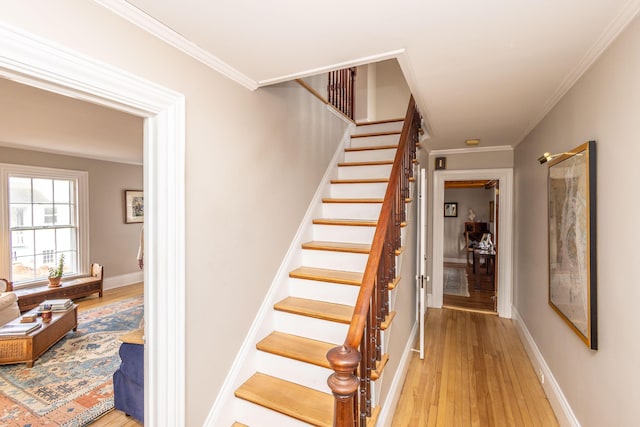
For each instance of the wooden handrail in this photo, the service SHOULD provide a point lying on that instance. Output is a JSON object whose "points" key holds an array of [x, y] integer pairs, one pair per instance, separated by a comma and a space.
{"points": [[356, 358]]}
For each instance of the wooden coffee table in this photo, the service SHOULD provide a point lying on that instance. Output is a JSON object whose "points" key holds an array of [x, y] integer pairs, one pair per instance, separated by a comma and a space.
{"points": [[27, 348]]}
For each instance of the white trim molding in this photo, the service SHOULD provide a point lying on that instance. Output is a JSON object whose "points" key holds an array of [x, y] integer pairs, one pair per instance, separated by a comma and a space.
{"points": [[471, 150], [38, 62], [154, 27], [551, 388], [505, 212]]}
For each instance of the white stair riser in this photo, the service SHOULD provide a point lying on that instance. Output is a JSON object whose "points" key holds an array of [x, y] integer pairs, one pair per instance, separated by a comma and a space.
{"points": [[352, 210], [255, 415], [379, 127], [375, 141], [323, 291], [358, 190], [301, 373], [341, 233], [370, 155], [332, 260], [303, 326], [364, 172]]}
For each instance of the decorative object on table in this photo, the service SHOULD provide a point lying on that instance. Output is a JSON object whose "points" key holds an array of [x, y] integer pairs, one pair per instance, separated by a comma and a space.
{"points": [[83, 362], [28, 318], [56, 305], [451, 209], [472, 215], [18, 328], [572, 240], [133, 206], [55, 274], [46, 313], [441, 163]]}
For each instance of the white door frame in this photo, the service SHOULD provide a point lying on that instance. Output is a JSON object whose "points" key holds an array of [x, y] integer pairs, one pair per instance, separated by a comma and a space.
{"points": [[38, 62], [505, 216]]}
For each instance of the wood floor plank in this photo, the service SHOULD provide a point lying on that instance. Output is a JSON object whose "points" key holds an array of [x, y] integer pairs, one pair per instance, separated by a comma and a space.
{"points": [[475, 373]]}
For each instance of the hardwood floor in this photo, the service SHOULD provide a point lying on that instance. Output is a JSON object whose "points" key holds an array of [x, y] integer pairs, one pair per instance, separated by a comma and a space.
{"points": [[477, 300], [475, 373], [113, 418]]}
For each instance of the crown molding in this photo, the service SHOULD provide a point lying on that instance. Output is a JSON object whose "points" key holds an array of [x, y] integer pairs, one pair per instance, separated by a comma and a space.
{"points": [[153, 26], [340, 65], [608, 35], [472, 150]]}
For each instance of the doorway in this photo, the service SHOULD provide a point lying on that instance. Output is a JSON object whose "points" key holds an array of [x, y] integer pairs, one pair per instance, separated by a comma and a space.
{"points": [[504, 211], [43, 64], [470, 245]]}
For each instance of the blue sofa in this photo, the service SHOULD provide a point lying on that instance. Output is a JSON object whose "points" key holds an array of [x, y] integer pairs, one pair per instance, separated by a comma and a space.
{"points": [[128, 381]]}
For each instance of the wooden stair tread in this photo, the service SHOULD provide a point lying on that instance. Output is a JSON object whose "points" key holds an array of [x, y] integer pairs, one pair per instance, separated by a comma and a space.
{"points": [[387, 321], [237, 424], [317, 309], [375, 374], [325, 275], [372, 163], [392, 284], [360, 181], [297, 348], [358, 248], [299, 402], [351, 200], [351, 222], [371, 148], [384, 133]]}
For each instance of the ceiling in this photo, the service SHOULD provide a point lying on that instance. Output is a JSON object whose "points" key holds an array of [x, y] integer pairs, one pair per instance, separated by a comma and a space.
{"points": [[41, 121], [478, 69], [489, 70]]}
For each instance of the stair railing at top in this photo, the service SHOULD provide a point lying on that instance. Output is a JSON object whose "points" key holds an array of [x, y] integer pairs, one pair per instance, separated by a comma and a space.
{"points": [[354, 362], [341, 90]]}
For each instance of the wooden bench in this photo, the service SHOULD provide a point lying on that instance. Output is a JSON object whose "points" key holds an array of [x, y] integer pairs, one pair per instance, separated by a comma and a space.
{"points": [[75, 288]]}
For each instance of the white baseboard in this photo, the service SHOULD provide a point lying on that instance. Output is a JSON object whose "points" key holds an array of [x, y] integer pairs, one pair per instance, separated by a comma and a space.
{"points": [[123, 280], [559, 403], [389, 407]]}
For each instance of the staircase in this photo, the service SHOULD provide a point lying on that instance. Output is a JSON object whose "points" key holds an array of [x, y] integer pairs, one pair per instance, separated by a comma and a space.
{"points": [[290, 385]]}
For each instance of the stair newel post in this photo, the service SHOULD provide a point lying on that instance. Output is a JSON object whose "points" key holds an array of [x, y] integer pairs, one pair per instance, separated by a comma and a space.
{"points": [[343, 383]]}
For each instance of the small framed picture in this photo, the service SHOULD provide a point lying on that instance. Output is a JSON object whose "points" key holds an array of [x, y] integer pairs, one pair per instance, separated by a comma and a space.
{"points": [[133, 206], [451, 209]]}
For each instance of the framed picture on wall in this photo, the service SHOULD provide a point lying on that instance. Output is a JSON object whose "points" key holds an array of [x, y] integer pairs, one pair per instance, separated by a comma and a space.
{"points": [[133, 206], [451, 209], [572, 240]]}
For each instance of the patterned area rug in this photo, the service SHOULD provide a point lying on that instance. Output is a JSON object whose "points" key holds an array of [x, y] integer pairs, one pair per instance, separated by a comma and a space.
{"points": [[455, 281], [71, 384]]}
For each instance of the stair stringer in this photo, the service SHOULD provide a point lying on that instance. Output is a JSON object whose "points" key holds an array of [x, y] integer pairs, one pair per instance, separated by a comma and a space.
{"points": [[223, 410]]}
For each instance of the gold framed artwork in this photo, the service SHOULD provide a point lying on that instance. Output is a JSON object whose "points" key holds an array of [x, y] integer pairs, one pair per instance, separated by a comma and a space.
{"points": [[133, 206], [571, 187]]}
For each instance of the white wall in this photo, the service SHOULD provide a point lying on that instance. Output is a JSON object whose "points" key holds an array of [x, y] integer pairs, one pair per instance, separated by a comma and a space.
{"points": [[253, 162], [602, 387], [392, 92]]}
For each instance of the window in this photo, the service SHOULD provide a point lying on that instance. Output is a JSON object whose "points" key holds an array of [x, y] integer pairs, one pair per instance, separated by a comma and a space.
{"points": [[45, 216]]}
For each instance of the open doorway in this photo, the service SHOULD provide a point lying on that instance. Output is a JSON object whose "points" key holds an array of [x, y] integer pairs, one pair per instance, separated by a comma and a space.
{"points": [[504, 211], [39, 63], [470, 245]]}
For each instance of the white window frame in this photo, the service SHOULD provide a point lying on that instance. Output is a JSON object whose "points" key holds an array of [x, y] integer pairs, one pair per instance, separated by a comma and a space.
{"points": [[82, 212]]}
